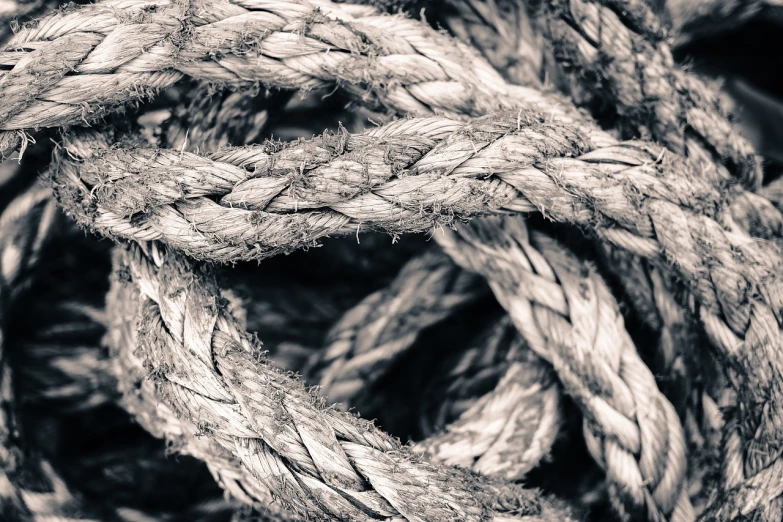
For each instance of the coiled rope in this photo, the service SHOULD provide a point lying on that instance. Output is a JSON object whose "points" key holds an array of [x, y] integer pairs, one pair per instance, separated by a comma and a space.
{"points": [[494, 148]]}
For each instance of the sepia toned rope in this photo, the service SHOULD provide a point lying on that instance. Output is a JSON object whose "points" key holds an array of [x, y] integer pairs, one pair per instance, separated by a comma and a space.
{"points": [[315, 460], [336, 51], [508, 431], [537, 165], [158, 419], [634, 68], [651, 293], [30, 488], [568, 316]]}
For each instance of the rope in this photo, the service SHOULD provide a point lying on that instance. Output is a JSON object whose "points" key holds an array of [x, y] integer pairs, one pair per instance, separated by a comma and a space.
{"points": [[316, 461], [362, 345], [569, 318], [651, 94], [30, 488], [600, 190], [472, 88], [505, 433], [650, 293], [508, 431]]}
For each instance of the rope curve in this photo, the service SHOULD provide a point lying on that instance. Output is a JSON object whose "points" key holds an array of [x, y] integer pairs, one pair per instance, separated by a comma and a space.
{"points": [[508, 431], [569, 318], [315, 460], [536, 166], [650, 92], [379, 329]]}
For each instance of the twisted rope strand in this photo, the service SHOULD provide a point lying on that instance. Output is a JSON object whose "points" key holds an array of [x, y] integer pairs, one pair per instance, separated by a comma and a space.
{"points": [[536, 165], [569, 318], [507, 431], [332, 46], [30, 488], [318, 461], [651, 93]]}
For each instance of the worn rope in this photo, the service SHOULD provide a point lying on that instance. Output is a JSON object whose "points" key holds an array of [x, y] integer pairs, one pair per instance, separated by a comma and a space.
{"points": [[316, 461], [569, 318], [361, 346], [598, 190], [30, 488], [334, 52], [505, 433], [508, 431], [624, 60], [650, 293]]}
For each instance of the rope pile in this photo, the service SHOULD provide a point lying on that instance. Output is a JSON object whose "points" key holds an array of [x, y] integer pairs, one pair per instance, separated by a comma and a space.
{"points": [[529, 271]]}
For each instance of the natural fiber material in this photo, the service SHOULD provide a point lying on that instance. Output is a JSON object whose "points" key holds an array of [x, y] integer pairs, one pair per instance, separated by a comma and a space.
{"points": [[540, 174], [316, 461], [635, 69], [30, 488], [569, 318], [508, 431]]}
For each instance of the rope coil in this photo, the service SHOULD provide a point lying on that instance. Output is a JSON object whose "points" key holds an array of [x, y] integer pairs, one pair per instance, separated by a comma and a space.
{"points": [[469, 148]]}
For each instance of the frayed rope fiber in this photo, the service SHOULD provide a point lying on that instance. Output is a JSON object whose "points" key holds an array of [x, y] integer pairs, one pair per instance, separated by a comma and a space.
{"points": [[517, 340]]}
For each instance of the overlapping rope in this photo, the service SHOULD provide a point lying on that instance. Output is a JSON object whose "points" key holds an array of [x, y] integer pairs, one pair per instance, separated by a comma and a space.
{"points": [[411, 175]]}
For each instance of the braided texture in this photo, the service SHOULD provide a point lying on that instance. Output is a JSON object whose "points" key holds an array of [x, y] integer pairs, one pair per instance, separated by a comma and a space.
{"points": [[536, 165], [317, 461], [635, 68], [509, 430]]}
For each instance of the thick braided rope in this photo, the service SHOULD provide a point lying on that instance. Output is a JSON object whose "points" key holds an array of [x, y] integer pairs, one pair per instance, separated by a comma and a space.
{"points": [[630, 195], [649, 291], [30, 489], [379, 59], [123, 50], [507, 431], [317, 461], [635, 69], [569, 318], [503, 32]]}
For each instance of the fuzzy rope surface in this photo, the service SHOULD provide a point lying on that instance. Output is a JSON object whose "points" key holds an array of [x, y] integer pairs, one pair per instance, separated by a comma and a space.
{"points": [[315, 460], [569, 318], [537, 165], [635, 69]]}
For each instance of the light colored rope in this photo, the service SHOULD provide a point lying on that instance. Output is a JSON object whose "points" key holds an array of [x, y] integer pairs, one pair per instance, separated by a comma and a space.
{"points": [[315, 460], [508, 431], [537, 165], [505, 433], [568, 316], [636, 71], [39, 93]]}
